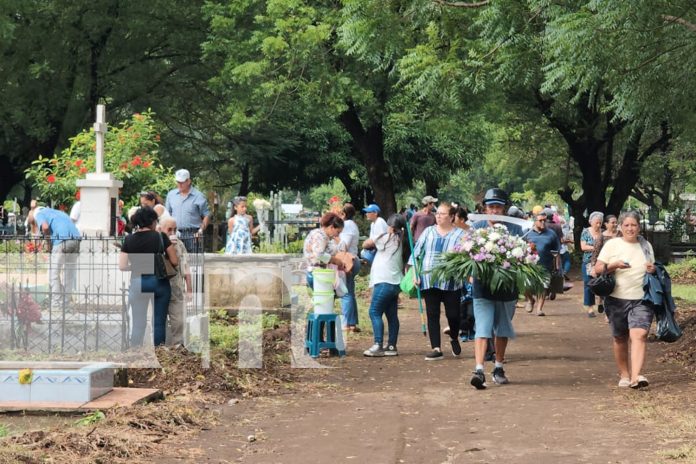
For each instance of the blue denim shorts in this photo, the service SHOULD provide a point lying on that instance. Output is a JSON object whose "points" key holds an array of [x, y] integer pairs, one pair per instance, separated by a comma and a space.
{"points": [[494, 318]]}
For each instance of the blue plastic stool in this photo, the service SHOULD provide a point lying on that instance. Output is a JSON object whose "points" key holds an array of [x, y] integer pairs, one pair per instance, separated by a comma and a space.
{"points": [[324, 331]]}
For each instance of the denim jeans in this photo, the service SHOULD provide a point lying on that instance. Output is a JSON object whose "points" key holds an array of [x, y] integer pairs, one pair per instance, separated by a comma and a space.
{"points": [[384, 301], [349, 306], [141, 293], [588, 298], [565, 263]]}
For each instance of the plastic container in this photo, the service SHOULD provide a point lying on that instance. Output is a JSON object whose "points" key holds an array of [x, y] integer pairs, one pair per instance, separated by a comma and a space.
{"points": [[324, 280], [323, 302]]}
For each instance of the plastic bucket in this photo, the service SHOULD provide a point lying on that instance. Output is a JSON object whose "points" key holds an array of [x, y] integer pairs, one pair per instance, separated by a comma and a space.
{"points": [[323, 302], [324, 280]]}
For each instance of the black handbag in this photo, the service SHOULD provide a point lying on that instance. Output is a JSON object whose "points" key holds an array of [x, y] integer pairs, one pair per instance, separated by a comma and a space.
{"points": [[667, 328], [603, 284]]}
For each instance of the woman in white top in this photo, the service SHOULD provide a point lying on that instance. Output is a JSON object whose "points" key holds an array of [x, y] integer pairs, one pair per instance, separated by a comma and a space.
{"points": [[385, 276], [349, 238], [629, 257]]}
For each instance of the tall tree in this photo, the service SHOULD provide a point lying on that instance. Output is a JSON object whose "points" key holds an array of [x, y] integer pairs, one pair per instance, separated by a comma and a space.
{"points": [[61, 57], [314, 66]]}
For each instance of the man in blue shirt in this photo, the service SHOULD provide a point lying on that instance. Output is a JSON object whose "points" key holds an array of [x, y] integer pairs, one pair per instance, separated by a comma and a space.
{"points": [[189, 207], [546, 242], [65, 246]]}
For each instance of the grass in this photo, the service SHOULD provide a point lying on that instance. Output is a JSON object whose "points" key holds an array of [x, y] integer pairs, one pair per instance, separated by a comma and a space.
{"points": [[4, 431], [685, 292]]}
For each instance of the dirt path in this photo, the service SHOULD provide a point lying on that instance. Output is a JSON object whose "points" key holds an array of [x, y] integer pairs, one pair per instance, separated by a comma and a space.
{"points": [[562, 405]]}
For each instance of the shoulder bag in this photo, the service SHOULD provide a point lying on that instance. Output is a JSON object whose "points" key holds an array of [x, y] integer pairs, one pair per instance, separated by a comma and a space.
{"points": [[164, 269]]}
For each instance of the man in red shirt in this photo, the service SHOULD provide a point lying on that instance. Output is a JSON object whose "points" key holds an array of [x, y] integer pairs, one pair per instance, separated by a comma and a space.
{"points": [[423, 218]]}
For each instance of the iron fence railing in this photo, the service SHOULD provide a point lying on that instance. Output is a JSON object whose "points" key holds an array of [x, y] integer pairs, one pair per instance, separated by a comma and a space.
{"points": [[72, 303]]}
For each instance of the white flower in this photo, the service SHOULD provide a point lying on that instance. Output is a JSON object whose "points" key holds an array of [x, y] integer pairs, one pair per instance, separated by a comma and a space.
{"points": [[489, 246], [468, 245], [495, 236], [517, 252]]}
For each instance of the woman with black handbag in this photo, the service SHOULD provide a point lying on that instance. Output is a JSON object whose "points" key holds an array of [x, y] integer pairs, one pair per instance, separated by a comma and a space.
{"points": [[142, 252], [628, 257]]}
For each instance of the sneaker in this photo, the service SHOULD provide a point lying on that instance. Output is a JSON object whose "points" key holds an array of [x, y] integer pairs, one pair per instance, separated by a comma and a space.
{"points": [[642, 382], [540, 313], [434, 355], [478, 380], [529, 305], [375, 351], [456, 347], [446, 330], [391, 351], [499, 376], [625, 383]]}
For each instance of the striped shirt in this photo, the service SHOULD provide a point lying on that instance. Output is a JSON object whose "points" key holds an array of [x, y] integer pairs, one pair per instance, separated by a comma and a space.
{"points": [[431, 246]]}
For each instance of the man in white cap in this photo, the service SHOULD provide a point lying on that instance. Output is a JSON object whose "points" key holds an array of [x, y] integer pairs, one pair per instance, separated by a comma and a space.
{"points": [[424, 218], [189, 207]]}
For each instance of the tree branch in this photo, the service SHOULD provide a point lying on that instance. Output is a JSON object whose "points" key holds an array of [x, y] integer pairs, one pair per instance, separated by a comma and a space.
{"points": [[462, 4], [682, 21]]}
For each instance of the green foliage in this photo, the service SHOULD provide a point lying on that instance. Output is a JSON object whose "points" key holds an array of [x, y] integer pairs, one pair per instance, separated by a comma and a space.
{"points": [[683, 271], [686, 292], [131, 155], [4, 430], [676, 225], [91, 419]]}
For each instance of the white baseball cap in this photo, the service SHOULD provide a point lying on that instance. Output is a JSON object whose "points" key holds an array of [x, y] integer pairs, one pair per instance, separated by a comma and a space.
{"points": [[182, 175]]}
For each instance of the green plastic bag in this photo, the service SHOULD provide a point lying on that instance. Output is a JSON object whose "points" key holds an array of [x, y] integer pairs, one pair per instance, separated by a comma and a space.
{"points": [[407, 285]]}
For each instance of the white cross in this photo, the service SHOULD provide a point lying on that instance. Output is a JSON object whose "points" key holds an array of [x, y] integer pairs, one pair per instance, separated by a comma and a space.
{"points": [[100, 129]]}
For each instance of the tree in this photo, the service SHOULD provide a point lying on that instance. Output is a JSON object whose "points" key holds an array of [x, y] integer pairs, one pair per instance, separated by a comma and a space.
{"points": [[523, 49], [61, 57], [315, 68]]}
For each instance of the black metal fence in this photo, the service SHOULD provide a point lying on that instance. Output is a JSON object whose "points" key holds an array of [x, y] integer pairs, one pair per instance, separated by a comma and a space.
{"points": [[63, 303]]}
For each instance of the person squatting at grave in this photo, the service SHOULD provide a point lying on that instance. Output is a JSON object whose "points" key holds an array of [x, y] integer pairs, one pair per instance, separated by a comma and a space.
{"points": [[64, 246], [629, 257], [240, 228], [493, 312], [189, 207], [385, 276], [433, 242], [181, 285], [138, 256]]}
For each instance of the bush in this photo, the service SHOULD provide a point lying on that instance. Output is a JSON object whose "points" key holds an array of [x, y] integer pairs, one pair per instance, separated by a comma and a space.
{"points": [[683, 271], [130, 155]]}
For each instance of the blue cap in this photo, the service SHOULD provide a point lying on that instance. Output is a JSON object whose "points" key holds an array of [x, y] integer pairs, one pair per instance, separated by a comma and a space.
{"points": [[372, 209]]}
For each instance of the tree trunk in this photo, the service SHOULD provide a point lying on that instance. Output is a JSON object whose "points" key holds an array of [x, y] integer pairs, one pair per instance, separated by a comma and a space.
{"points": [[370, 144], [356, 193], [244, 182]]}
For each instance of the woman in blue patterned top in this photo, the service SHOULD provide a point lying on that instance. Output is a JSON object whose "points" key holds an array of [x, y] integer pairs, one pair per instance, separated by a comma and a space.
{"points": [[589, 237], [433, 242]]}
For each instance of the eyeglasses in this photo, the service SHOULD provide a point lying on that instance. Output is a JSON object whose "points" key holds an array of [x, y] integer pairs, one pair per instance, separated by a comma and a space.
{"points": [[441, 214]]}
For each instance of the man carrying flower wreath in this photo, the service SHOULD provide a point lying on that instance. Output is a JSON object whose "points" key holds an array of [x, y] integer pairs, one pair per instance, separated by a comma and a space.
{"points": [[493, 311]]}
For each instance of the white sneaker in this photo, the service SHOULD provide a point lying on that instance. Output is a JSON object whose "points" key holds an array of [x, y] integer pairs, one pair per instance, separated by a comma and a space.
{"points": [[625, 383], [375, 351]]}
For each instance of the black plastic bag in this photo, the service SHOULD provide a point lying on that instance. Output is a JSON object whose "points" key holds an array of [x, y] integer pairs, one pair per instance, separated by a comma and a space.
{"points": [[603, 284], [667, 328], [556, 282]]}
